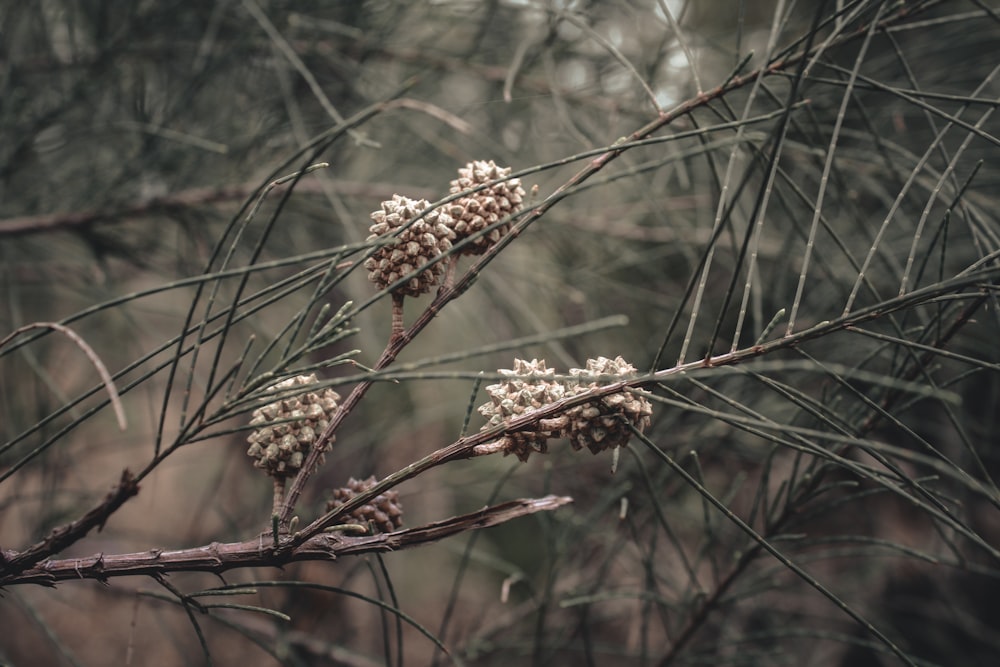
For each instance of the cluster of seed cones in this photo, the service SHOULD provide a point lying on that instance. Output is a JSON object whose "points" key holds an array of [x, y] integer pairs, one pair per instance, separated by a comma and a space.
{"points": [[597, 425], [413, 237], [416, 236]]}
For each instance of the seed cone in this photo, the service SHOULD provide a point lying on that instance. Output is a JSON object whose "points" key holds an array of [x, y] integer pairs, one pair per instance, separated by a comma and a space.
{"points": [[289, 426], [383, 511], [524, 389], [603, 424], [413, 248], [481, 209]]}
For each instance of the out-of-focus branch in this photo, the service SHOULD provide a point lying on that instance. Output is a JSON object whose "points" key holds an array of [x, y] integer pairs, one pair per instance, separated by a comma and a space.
{"points": [[36, 224], [260, 552]]}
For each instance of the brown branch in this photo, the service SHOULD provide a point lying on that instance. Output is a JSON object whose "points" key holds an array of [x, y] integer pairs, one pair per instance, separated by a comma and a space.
{"points": [[12, 563], [36, 224], [260, 552]]}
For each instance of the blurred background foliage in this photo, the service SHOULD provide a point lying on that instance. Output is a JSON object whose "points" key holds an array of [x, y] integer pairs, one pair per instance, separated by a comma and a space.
{"points": [[131, 133]]}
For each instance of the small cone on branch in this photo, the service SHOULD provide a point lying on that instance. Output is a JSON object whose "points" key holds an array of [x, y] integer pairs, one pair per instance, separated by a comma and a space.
{"points": [[384, 511], [416, 246], [525, 388], [289, 426], [478, 210], [603, 424]]}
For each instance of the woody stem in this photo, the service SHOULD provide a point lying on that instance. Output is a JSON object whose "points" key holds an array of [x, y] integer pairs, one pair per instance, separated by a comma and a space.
{"points": [[279, 495], [397, 317]]}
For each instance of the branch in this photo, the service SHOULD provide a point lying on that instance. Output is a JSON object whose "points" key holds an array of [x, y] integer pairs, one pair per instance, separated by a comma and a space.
{"points": [[309, 539], [36, 224], [12, 563], [260, 552]]}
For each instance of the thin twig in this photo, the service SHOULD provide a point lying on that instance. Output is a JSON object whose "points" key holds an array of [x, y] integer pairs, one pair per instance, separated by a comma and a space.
{"points": [[102, 370]]}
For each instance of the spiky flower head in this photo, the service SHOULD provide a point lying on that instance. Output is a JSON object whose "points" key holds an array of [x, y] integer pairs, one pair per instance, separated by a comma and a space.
{"points": [[289, 426], [383, 511], [526, 387], [481, 209], [603, 424], [414, 247]]}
